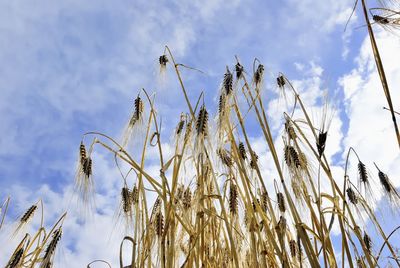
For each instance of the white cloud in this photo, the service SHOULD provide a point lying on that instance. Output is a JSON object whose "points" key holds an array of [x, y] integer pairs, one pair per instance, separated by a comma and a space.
{"points": [[370, 129]]}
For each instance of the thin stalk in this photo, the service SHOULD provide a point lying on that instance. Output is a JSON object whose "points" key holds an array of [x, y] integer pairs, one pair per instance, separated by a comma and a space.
{"points": [[381, 70]]}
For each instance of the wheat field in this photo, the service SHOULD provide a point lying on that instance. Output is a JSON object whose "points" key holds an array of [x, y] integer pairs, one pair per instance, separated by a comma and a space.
{"points": [[212, 204]]}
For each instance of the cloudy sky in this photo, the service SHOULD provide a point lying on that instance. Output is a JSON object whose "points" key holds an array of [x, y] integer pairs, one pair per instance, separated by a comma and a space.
{"points": [[69, 67]]}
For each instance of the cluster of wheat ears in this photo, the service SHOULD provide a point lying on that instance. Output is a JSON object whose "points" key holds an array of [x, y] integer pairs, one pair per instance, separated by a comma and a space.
{"points": [[212, 206]]}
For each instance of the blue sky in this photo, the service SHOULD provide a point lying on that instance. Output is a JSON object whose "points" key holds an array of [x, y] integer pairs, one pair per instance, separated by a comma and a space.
{"points": [[74, 66]]}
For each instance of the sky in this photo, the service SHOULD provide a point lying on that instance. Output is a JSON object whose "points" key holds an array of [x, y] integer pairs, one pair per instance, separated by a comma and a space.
{"points": [[69, 67]]}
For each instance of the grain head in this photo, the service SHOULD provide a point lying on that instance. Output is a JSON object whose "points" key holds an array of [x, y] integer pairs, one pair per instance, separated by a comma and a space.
{"points": [[202, 122], [227, 84], [239, 69]]}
